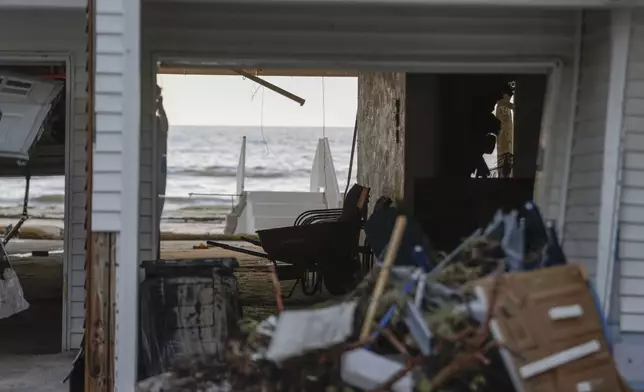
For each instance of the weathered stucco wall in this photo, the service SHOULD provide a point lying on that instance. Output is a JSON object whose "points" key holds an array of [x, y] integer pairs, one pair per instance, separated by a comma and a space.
{"points": [[380, 144]]}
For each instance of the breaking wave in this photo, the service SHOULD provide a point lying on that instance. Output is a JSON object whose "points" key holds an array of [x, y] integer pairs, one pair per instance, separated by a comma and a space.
{"points": [[228, 171]]}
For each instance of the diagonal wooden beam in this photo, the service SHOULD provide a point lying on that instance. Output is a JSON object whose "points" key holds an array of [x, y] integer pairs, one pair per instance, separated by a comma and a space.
{"points": [[270, 86]]}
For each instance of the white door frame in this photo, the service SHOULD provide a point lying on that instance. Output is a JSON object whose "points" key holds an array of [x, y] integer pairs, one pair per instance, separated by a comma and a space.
{"points": [[551, 67], [37, 58]]}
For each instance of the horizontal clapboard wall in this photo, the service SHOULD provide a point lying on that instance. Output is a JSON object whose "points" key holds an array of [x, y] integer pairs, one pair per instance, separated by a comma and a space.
{"points": [[631, 212], [584, 185]]}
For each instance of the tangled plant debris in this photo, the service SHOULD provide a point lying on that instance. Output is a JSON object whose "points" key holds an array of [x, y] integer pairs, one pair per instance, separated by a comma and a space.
{"points": [[429, 327]]}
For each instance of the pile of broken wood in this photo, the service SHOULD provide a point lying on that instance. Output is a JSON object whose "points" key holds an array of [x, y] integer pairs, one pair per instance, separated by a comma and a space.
{"points": [[494, 315]]}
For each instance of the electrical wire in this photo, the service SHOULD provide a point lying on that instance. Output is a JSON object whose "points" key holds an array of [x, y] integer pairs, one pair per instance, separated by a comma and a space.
{"points": [[261, 123]]}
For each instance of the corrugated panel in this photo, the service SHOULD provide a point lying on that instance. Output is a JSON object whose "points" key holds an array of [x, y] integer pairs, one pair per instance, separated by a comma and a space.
{"points": [[63, 32], [631, 215], [108, 109], [584, 185]]}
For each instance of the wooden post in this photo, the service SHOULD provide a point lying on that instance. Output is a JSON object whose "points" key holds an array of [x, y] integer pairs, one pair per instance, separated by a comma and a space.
{"points": [[100, 319], [99, 260]]}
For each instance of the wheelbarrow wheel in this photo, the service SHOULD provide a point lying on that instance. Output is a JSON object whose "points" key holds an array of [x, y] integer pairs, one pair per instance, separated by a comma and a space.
{"points": [[338, 282], [310, 281]]}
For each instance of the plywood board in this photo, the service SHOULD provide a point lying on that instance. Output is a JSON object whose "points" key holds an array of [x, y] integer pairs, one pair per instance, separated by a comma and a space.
{"points": [[554, 354]]}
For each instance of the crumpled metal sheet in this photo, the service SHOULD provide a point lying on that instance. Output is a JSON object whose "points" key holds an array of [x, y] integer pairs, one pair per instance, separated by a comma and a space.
{"points": [[12, 299]]}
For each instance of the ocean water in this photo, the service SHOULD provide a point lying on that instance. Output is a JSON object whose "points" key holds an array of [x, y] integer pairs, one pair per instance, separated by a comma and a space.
{"points": [[203, 159]]}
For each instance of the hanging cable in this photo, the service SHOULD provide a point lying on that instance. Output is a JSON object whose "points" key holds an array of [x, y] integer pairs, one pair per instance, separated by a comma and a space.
{"points": [[261, 123], [323, 109], [324, 132], [353, 150]]}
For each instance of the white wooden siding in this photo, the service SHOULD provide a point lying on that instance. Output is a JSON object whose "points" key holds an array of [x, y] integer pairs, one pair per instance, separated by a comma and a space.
{"points": [[631, 212], [148, 236], [63, 32], [357, 37], [581, 228], [109, 123]]}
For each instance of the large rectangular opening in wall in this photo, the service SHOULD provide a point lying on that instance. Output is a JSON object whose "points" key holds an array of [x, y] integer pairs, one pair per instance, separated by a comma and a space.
{"points": [[33, 143], [393, 113], [205, 118]]}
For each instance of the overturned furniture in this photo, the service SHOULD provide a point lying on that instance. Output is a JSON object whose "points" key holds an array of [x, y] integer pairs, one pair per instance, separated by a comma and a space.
{"points": [[321, 246]]}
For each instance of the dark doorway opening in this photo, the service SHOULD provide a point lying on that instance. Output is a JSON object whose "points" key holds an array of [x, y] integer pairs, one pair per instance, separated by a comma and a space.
{"points": [[450, 127]]}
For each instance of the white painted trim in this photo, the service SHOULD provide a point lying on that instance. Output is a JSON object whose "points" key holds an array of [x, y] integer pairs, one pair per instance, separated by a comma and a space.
{"points": [[561, 221], [484, 64], [67, 211], [550, 106], [620, 42], [457, 3], [49, 58], [156, 220], [127, 241], [44, 4]]}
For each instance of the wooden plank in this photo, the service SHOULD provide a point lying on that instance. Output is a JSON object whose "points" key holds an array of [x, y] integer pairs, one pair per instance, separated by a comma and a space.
{"points": [[100, 312], [536, 340]]}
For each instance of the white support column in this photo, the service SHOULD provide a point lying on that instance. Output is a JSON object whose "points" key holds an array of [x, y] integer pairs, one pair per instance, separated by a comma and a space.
{"points": [[620, 42], [574, 93], [127, 252]]}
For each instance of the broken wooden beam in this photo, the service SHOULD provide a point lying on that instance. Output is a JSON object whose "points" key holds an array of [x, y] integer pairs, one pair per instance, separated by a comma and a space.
{"points": [[270, 86]]}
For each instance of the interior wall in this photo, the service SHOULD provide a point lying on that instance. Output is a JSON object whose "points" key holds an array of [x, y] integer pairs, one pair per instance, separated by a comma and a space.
{"points": [[529, 98], [381, 144], [421, 117]]}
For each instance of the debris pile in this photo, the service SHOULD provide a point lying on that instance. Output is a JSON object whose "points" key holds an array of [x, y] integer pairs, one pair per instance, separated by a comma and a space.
{"points": [[502, 312]]}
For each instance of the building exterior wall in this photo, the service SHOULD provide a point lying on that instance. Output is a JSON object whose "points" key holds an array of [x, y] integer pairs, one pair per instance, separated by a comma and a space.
{"points": [[583, 200], [148, 219], [62, 32], [381, 147], [631, 210]]}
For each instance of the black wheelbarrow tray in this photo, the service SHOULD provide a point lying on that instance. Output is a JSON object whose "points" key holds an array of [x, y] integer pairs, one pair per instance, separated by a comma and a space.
{"points": [[327, 247]]}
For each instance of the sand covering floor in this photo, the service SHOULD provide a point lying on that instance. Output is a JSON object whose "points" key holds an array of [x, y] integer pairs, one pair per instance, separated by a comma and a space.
{"points": [[24, 338], [35, 373]]}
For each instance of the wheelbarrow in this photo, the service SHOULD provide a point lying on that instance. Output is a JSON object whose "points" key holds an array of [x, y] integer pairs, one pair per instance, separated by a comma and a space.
{"points": [[321, 247]]}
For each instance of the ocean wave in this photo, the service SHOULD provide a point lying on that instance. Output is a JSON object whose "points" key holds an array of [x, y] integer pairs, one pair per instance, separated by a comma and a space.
{"points": [[230, 171], [49, 198]]}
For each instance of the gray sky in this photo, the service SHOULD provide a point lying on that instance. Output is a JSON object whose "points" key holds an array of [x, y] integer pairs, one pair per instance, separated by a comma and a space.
{"points": [[229, 100]]}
